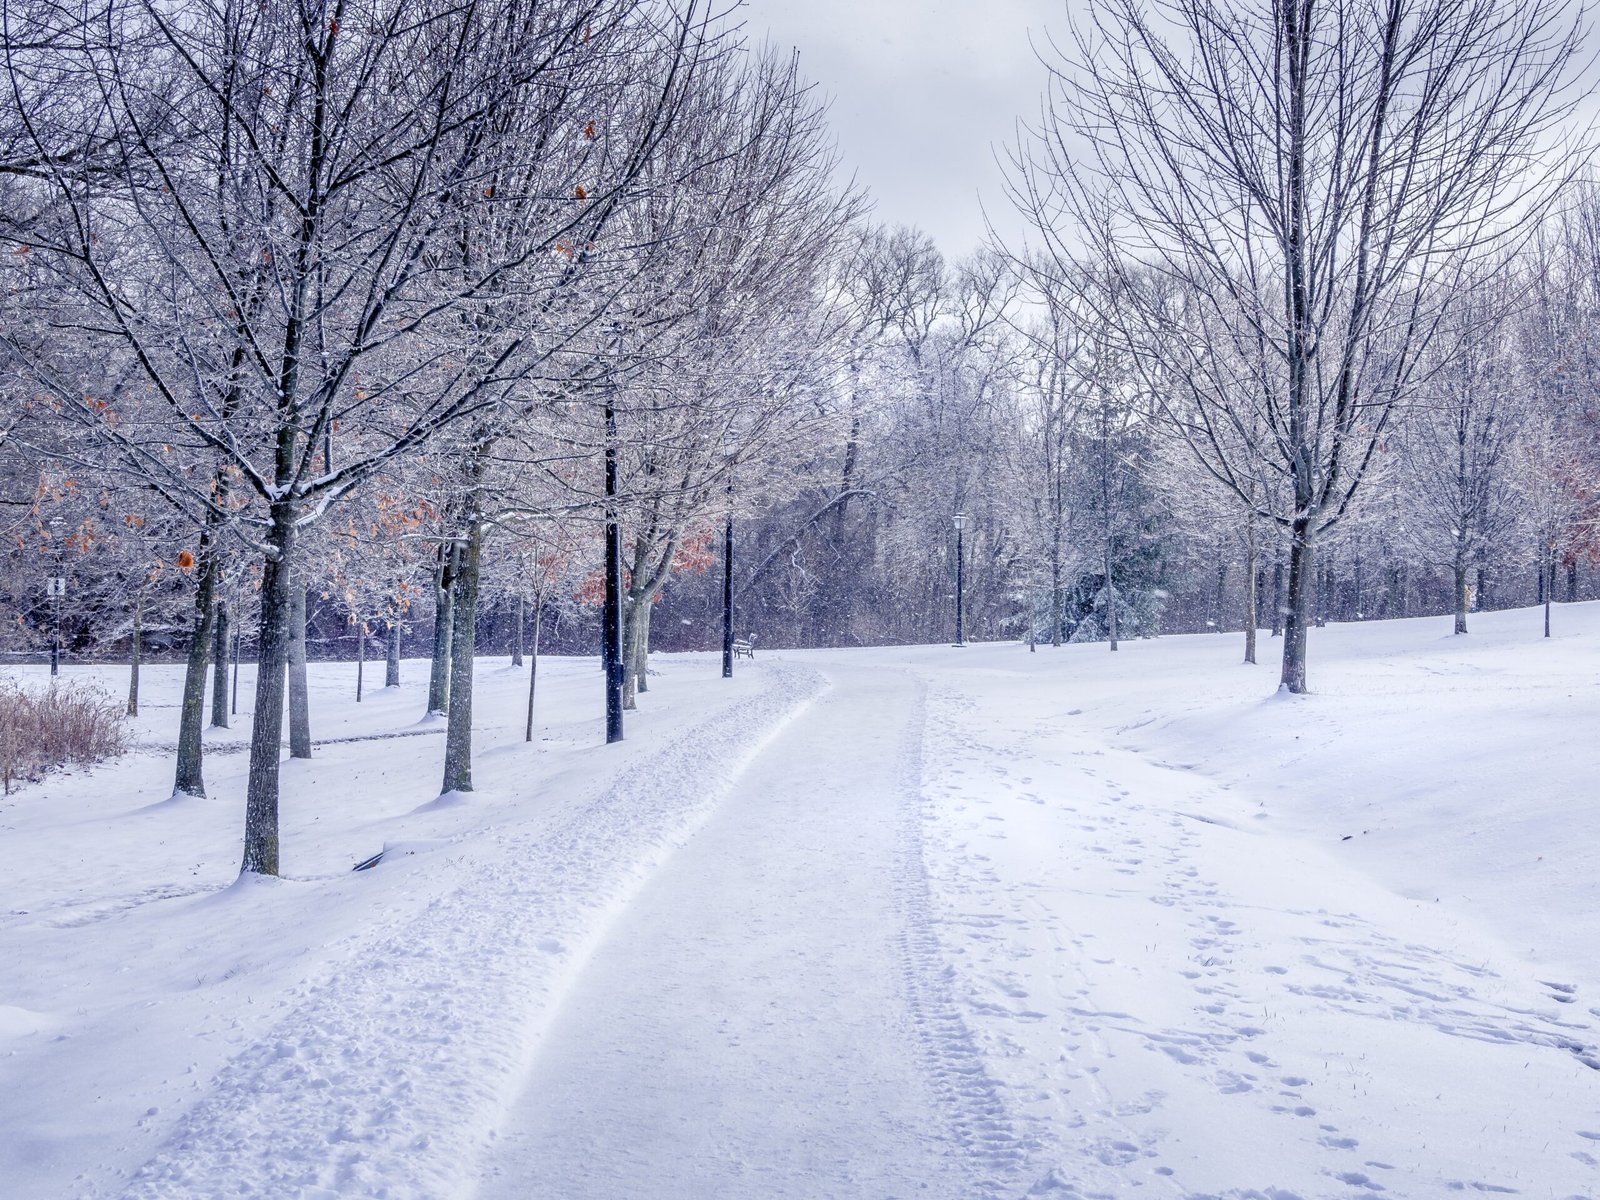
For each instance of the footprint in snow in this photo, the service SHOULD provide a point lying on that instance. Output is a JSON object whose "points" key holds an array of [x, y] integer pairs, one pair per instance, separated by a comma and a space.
{"points": [[1357, 1179], [1115, 1153]]}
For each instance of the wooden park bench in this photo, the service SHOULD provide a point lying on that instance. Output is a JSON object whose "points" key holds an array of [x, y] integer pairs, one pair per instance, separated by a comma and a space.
{"points": [[745, 647]]}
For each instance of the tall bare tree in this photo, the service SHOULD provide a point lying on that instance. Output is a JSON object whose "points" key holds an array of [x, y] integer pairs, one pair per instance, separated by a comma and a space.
{"points": [[281, 249], [1313, 182]]}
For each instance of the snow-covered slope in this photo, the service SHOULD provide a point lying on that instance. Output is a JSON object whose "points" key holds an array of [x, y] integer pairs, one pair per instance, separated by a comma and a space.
{"points": [[1218, 942], [913, 922]]}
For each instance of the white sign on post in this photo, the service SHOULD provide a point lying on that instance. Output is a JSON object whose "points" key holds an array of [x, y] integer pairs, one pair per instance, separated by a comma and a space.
{"points": [[57, 586]]}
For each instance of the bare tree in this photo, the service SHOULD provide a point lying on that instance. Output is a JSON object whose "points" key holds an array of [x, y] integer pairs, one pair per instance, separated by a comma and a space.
{"points": [[1312, 182], [1051, 393], [294, 259], [1454, 440]]}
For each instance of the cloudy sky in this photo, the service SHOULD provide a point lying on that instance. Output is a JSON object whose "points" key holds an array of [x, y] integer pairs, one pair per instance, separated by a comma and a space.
{"points": [[924, 93]]}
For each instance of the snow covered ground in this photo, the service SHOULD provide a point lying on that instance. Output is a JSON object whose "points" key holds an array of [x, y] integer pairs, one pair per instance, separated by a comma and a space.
{"points": [[921, 922]]}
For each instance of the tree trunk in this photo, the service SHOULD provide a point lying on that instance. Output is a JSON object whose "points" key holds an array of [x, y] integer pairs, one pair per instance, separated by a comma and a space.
{"points": [[391, 671], [1057, 599], [272, 657], [443, 626], [463, 646], [635, 600], [642, 648], [135, 648], [533, 662], [1461, 590], [299, 689], [1301, 565], [220, 644], [1277, 594], [1219, 602], [516, 643], [233, 703], [1572, 579], [189, 778], [1111, 599], [1548, 579], [361, 657], [1252, 587], [631, 630]]}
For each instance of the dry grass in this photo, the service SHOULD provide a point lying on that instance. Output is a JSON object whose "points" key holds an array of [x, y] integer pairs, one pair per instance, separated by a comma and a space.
{"points": [[65, 723]]}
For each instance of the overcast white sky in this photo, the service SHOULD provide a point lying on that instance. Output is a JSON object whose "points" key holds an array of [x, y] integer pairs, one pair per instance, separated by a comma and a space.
{"points": [[924, 92]]}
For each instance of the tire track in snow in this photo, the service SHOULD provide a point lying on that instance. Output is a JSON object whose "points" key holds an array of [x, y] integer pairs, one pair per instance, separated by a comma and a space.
{"points": [[383, 1080], [972, 1099]]}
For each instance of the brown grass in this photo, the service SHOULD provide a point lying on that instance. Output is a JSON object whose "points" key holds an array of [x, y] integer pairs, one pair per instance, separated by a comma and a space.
{"points": [[66, 723]]}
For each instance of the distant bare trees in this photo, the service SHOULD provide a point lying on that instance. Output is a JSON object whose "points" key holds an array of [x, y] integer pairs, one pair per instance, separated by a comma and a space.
{"points": [[1455, 441], [1316, 182]]}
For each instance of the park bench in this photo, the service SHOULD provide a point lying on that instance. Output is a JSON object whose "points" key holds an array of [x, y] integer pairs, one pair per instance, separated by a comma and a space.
{"points": [[745, 647]]}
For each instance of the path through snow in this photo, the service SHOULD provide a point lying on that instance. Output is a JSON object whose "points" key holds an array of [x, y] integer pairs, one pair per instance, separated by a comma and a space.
{"points": [[771, 1017], [944, 938], [898, 923]]}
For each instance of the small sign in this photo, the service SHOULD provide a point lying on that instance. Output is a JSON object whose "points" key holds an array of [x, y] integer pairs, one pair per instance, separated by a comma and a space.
{"points": [[57, 586]]}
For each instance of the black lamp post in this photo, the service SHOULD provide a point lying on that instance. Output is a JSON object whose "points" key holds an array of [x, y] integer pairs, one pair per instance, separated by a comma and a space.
{"points": [[727, 595], [728, 451], [58, 587], [961, 629], [611, 617]]}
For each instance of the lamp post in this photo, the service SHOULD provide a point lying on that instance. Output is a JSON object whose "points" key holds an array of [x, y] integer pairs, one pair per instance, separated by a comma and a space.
{"points": [[57, 589], [729, 450], [961, 631], [727, 592], [611, 614]]}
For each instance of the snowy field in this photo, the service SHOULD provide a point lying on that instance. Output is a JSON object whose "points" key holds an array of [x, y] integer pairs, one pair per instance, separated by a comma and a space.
{"points": [[923, 922]]}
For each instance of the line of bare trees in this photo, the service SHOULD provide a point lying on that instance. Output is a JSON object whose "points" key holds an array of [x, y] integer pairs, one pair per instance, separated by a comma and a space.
{"points": [[1291, 213], [305, 294], [324, 319]]}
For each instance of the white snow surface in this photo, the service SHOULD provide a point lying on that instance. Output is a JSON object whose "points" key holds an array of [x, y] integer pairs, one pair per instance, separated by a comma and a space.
{"points": [[918, 922]]}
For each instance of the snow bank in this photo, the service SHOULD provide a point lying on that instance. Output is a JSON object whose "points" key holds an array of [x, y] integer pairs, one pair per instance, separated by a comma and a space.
{"points": [[374, 1022]]}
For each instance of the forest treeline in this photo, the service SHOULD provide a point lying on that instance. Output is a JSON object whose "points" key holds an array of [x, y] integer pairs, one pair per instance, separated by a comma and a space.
{"points": [[347, 329]]}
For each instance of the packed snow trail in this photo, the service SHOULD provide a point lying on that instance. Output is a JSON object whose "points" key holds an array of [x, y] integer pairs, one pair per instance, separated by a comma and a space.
{"points": [[770, 1018], [944, 937], [381, 1080]]}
